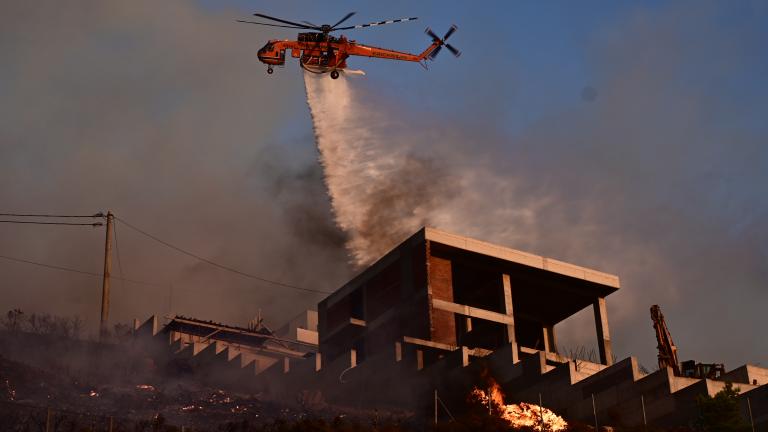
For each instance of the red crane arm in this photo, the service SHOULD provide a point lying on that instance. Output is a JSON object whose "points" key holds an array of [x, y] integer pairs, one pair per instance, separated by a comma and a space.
{"points": [[667, 349]]}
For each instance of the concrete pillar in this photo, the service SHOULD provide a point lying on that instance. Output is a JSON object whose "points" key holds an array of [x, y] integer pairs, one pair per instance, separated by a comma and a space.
{"points": [[603, 335], [550, 341], [398, 351], [464, 356], [511, 338]]}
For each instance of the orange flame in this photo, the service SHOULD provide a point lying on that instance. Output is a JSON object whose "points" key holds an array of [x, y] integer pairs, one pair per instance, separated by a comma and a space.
{"points": [[518, 415]]}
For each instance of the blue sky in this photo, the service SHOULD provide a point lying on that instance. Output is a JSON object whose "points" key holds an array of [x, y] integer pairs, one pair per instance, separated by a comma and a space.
{"points": [[537, 55]]}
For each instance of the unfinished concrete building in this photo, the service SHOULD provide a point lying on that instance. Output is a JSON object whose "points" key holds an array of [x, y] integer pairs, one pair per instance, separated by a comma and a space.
{"points": [[439, 310], [438, 291], [222, 354]]}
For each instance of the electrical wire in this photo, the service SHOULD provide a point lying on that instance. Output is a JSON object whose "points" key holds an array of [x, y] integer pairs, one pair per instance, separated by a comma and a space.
{"points": [[95, 215], [94, 224], [215, 264], [72, 270]]}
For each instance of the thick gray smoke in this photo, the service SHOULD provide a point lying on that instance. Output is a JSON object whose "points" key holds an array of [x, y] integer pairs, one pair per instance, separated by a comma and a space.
{"points": [[159, 112], [648, 176]]}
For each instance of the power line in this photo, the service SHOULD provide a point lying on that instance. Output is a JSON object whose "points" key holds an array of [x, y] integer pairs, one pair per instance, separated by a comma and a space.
{"points": [[94, 224], [215, 264], [50, 266], [95, 215], [72, 270]]}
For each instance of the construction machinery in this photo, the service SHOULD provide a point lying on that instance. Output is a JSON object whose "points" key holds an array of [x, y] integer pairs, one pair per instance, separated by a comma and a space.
{"points": [[668, 353]]}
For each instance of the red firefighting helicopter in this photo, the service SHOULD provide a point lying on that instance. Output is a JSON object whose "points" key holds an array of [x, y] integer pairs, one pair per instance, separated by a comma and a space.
{"points": [[320, 52]]}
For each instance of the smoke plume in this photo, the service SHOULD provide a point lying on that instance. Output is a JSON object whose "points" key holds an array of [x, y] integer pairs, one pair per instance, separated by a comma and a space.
{"points": [[158, 112]]}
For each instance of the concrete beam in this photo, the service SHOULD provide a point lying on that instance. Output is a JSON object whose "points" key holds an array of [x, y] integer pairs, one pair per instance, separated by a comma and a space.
{"points": [[429, 344], [306, 336], [472, 312], [603, 334], [527, 259]]}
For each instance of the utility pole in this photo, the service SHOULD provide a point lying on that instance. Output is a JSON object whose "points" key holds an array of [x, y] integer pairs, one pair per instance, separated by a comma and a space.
{"points": [[107, 271]]}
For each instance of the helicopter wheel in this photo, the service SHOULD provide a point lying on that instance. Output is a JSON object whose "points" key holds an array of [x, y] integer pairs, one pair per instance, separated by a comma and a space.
{"points": [[270, 70], [334, 74]]}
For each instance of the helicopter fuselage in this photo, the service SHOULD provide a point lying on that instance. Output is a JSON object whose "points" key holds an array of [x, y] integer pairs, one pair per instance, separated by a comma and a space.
{"points": [[321, 53]]}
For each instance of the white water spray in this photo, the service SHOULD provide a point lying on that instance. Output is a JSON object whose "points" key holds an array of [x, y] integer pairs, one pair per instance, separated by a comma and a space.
{"points": [[381, 188]]}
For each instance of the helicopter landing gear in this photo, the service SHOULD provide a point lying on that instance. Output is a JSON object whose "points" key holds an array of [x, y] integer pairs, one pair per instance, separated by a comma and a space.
{"points": [[334, 74], [270, 70]]}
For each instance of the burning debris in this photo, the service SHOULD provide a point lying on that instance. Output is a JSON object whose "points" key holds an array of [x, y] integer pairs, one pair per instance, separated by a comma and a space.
{"points": [[237, 409], [11, 393], [522, 415], [191, 408]]}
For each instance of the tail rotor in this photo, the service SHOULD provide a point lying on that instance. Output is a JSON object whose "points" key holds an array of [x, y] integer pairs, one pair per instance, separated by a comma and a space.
{"points": [[442, 43]]}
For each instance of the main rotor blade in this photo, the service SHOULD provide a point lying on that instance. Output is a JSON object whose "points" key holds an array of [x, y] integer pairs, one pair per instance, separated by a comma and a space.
{"points": [[271, 25], [450, 32], [377, 23], [309, 23], [453, 50], [431, 34], [346, 17], [285, 21]]}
